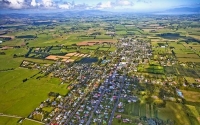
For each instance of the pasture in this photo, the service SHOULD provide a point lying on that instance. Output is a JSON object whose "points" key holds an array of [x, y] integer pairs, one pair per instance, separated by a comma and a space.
{"points": [[14, 121], [175, 112], [191, 96], [155, 69], [21, 98], [193, 114], [7, 61], [8, 121], [189, 60]]}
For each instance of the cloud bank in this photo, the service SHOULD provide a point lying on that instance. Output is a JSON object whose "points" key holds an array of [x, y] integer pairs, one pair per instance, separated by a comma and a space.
{"points": [[51, 4]]}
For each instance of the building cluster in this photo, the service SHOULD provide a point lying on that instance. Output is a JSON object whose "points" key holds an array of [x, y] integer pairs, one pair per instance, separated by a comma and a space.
{"points": [[98, 94]]}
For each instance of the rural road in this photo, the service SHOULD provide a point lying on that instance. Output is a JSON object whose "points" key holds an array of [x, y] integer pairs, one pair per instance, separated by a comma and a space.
{"points": [[11, 116]]}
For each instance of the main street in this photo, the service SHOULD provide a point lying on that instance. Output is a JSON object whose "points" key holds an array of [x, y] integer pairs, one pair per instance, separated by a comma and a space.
{"points": [[117, 102], [97, 104]]}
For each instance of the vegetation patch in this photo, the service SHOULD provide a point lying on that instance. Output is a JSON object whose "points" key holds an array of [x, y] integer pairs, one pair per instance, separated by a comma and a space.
{"points": [[174, 112], [191, 96]]}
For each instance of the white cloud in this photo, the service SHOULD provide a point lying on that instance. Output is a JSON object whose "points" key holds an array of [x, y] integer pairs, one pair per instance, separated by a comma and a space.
{"points": [[15, 4], [115, 4], [64, 6], [124, 3], [47, 3], [104, 5], [33, 3]]}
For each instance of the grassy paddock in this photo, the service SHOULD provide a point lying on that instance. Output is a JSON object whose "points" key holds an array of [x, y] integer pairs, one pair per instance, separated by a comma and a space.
{"points": [[189, 60], [18, 98], [7, 61], [174, 112], [191, 96], [8, 121]]}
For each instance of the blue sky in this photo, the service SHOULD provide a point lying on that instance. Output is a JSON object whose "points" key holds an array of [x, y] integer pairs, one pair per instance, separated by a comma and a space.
{"points": [[158, 2], [114, 5]]}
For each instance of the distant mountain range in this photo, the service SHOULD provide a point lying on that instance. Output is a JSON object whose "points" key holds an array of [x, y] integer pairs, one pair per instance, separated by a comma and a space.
{"points": [[87, 12], [184, 9], [181, 10]]}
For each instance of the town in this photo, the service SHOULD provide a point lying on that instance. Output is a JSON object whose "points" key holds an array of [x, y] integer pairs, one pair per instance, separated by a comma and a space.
{"points": [[103, 94], [99, 68]]}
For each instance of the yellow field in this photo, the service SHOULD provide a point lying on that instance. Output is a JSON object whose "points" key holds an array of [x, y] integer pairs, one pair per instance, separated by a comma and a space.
{"points": [[191, 96], [175, 112], [188, 60]]}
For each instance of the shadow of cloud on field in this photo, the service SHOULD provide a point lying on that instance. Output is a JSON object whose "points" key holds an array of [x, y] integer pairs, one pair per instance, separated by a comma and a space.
{"points": [[88, 60], [173, 36]]}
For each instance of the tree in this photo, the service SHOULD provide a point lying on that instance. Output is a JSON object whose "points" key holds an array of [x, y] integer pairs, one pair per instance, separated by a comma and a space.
{"points": [[149, 100], [24, 80], [15, 55]]}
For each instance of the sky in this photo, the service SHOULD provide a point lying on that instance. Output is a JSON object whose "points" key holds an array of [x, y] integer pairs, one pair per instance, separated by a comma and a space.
{"points": [[112, 5]]}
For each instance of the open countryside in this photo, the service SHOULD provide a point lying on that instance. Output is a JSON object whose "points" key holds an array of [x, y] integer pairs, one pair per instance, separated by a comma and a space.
{"points": [[97, 67]]}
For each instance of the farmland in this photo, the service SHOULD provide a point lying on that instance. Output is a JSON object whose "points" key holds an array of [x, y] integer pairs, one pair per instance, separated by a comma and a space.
{"points": [[173, 111], [124, 69], [34, 91]]}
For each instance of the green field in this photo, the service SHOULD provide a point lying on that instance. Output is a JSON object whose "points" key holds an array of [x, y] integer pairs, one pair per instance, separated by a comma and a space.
{"points": [[14, 121], [18, 98], [8, 121], [191, 96], [169, 58], [155, 69], [174, 112], [7, 61], [28, 122]]}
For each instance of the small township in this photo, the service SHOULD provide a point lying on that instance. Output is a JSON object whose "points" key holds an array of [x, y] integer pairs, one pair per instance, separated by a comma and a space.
{"points": [[100, 69]]}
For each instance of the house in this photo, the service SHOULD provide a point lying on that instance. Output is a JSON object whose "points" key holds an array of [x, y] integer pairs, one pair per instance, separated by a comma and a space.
{"points": [[121, 110], [197, 80], [82, 121], [6, 47], [126, 120], [37, 50], [151, 122], [54, 103], [179, 93], [118, 116]]}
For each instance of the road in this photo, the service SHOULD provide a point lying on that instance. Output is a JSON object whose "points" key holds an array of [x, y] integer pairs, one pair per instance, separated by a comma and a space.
{"points": [[115, 106], [96, 106], [34, 121], [77, 107], [75, 110], [11, 116]]}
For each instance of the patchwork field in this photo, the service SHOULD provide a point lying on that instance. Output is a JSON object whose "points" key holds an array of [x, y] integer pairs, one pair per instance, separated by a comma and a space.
{"points": [[169, 58], [70, 57]]}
